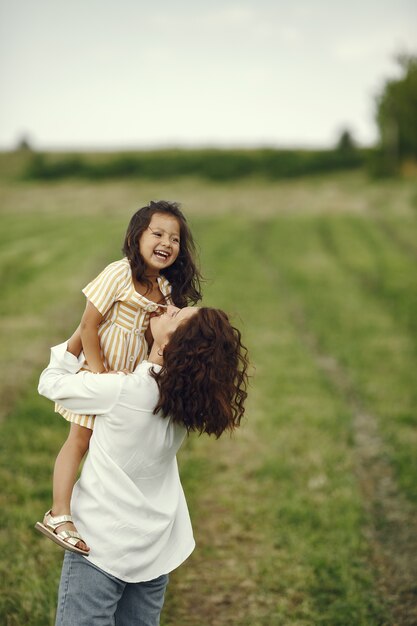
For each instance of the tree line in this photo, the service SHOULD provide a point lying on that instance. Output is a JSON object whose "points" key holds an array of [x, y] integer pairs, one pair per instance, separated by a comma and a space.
{"points": [[396, 117]]}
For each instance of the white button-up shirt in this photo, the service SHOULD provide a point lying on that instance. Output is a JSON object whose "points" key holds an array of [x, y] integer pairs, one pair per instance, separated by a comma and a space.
{"points": [[128, 504]]}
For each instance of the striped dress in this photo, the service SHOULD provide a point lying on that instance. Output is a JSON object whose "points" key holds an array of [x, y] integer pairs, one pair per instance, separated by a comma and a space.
{"points": [[125, 319]]}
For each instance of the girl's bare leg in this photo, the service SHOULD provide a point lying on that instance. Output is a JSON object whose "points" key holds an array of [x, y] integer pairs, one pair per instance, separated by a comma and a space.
{"points": [[65, 472]]}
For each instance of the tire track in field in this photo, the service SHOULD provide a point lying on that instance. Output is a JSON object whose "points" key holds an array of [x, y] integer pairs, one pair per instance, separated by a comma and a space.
{"points": [[391, 530], [372, 284], [390, 233]]}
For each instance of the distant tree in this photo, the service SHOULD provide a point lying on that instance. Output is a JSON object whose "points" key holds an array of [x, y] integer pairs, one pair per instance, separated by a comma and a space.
{"points": [[23, 144], [396, 113], [346, 142]]}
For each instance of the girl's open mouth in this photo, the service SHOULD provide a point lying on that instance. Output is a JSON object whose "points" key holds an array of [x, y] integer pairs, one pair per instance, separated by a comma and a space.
{"points": [[161, 254]]}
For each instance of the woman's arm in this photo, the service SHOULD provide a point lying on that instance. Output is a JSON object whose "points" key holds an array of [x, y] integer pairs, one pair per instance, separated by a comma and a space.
{"points": [[90, 322], [83, 392]]}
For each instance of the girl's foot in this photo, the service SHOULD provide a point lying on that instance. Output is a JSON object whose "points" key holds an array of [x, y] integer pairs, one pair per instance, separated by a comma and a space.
{"points": [[70, 526], [61, 530]]}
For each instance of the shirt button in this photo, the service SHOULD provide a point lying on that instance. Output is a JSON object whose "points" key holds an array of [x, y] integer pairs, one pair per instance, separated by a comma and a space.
{"points": [[131, 359], [151, 307], [137, 331]]}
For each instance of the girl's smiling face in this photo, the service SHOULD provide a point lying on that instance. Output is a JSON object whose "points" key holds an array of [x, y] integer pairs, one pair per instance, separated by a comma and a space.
{"points": [[159, 244]]}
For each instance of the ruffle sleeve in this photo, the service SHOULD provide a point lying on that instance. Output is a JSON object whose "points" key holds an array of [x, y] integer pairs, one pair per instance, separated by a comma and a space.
{"points": [[108, 286]]}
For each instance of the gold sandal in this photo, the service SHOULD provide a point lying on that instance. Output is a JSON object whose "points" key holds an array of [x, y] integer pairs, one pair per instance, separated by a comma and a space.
{"points": [[67, 539]]}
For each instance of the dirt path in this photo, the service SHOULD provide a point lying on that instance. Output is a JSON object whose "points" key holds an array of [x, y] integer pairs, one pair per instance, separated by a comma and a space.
{"points": [[392, 521], [391, 529]]}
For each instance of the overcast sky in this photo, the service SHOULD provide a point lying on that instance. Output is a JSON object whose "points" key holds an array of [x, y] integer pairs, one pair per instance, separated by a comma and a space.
{"points": [[126, 74]]}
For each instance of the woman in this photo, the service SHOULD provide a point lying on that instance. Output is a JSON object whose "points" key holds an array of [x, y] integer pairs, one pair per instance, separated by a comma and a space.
{"points": [[129, 504]]}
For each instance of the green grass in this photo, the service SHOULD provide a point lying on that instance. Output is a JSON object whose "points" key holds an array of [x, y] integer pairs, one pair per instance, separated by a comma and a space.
{"points": [[313, 272], [358, 291]]}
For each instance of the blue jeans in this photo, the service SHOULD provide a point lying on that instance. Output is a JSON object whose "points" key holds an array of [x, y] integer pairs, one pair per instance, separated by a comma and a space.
{"points": [[90, 597]]}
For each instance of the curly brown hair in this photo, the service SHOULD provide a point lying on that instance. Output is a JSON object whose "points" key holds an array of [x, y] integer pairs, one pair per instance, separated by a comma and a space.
{"points": [[202, 383], [183, 274]]}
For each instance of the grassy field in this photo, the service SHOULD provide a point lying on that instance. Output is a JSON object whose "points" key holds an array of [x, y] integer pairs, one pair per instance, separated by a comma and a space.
{"points": [[307, 515]]}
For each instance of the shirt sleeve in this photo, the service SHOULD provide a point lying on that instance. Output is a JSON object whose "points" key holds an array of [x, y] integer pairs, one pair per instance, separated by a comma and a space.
{"points": [[79, 392], [106, 288]]}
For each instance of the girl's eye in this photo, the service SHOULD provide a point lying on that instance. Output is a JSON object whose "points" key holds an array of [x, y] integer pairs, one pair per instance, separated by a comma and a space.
{"points": [[157, 234], [175, 240]]}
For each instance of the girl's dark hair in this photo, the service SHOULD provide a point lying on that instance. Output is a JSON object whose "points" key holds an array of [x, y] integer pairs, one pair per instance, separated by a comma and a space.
{"points": [[183, 274], [203, 381]]}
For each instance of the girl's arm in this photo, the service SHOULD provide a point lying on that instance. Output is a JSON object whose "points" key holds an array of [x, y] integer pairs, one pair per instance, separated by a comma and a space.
{"points": [[74, 342], [90, 322]]}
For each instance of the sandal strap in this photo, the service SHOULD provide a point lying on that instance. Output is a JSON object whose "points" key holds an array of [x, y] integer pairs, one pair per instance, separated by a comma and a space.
{"points": [[70, 536], [55, 521], [64, 534]]}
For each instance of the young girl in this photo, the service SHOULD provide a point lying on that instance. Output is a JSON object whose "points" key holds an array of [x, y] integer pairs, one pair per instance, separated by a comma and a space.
{"points": [[158, 269]]}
